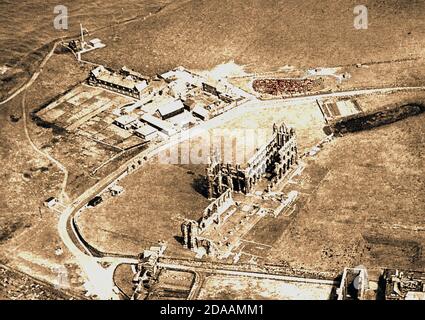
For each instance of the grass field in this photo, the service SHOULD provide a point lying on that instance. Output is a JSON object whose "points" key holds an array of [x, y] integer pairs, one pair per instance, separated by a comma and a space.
{"points": [[266, 35], [367, 204], [28, 236], [156, 200], [28, 30]]}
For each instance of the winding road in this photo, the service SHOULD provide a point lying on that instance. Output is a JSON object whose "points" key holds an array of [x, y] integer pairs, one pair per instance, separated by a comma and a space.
{"points": [[33, 77]]}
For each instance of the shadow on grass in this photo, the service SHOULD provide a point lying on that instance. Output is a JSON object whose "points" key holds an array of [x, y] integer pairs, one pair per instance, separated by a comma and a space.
{"points": [[199, 184]]}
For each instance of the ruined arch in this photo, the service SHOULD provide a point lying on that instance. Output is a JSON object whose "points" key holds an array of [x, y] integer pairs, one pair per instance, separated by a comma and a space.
{"points": [[208, 212], [214, 208]]}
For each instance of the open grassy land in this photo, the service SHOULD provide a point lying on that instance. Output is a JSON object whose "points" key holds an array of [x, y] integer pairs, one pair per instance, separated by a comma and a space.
{"points": [[17, 286], [267, 35], [27, 178], [367, 205], [156, 200], [28, 30], [28, 235], [376, 101]]}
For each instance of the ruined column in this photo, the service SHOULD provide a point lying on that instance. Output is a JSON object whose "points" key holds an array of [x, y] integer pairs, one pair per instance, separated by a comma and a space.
{"points": [[193, 233], [219, 182], [185, 234], [210, 182], [247, 185]]}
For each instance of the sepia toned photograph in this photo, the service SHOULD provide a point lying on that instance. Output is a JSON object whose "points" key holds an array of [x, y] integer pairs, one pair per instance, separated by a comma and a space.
{"points": [[240, 151]]}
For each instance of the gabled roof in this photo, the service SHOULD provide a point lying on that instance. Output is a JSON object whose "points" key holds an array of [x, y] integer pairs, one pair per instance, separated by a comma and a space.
{"points": [[161, 124], [141, 85], [200, 111], [146, 130], [170, 107], [125, 119]]}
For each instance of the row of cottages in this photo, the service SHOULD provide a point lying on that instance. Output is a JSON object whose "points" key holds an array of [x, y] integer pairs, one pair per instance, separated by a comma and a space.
{"points": [[125, 83]]}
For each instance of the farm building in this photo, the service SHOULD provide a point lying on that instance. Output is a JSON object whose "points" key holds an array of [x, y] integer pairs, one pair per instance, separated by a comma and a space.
{"points": [[170, 109], [146, 132], [125, 122], [159, 124], [201, 113]]}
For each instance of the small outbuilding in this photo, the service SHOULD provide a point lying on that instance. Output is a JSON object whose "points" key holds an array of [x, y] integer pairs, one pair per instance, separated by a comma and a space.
{"points": [[146, 132], [170, 109], [50, 202], [201, 113], [116, 190], [125, 121]]}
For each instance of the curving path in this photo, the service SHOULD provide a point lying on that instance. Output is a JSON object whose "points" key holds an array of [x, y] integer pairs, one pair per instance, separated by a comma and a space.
{"points": [[63, 196], [33, 77]]}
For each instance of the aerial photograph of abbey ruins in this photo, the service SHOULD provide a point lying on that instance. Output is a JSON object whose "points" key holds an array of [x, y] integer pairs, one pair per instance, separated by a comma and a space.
{"points": [[212, 150]]}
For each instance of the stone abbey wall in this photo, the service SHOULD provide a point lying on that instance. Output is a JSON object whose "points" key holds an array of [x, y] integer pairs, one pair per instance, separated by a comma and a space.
{"points": [[212, 215], [276, 157]]}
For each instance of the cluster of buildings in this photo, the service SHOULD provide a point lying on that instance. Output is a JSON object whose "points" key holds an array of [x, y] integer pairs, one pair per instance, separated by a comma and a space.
{"points": [[392, 284], [165, 104], [146, 271], [354, 284]]}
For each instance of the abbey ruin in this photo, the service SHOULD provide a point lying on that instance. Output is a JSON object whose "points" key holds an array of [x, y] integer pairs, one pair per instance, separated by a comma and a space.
{"points": [[226, 220], [276, 157]]}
